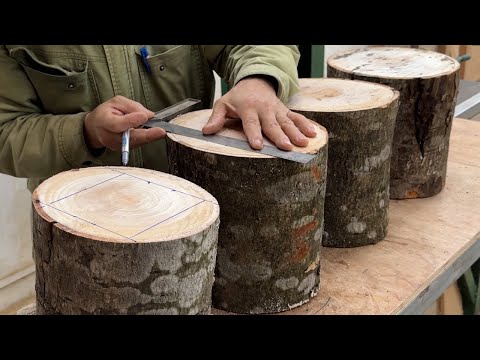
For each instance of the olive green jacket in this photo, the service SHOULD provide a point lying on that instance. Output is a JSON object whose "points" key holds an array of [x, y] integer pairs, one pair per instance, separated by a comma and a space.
{"points": [[46, 91]]}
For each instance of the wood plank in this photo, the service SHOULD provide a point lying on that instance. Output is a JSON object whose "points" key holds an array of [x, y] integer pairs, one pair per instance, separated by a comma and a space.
{"points": [[465, 143], [472, 66], [433, 310], [450, 303]]}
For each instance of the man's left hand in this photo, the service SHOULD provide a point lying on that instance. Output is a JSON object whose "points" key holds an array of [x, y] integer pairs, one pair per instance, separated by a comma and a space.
{"points": [[255, 102]]}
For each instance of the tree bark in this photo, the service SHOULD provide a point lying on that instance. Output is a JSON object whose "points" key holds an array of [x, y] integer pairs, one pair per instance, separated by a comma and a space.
{"points": [[79, 273], [422, 129], [357, 195], [271, 221]]}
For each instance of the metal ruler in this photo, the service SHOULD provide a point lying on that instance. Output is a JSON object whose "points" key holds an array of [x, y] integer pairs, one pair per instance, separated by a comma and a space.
{"points": [[235, 143], [162, 117], [173, 111]]}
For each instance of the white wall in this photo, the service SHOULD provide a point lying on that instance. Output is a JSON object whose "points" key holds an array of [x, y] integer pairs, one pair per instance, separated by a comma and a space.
{"points": [[16, 263]]}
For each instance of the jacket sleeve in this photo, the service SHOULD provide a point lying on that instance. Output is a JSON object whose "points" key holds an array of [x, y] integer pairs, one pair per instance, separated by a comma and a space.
{"points": [[34, 144], [235, 62]]}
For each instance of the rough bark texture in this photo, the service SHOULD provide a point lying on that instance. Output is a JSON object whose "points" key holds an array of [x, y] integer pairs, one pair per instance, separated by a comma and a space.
{"points": [[357, 195], [422, 132], [77, 275], [271, 222]]}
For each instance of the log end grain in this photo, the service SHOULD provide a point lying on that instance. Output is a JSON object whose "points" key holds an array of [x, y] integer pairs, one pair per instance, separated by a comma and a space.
{"points": [[118, 240]]}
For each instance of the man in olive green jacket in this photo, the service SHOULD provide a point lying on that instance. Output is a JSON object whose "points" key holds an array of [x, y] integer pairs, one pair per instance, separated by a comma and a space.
{"points": [[64, 107]]}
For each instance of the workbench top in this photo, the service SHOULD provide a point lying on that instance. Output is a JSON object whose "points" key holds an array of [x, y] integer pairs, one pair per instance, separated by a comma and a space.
{"points": [[430, 243]]}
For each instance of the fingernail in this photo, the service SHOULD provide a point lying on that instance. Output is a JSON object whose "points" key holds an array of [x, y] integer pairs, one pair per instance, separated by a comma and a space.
{"points": [[258, 143], [313, 128]]}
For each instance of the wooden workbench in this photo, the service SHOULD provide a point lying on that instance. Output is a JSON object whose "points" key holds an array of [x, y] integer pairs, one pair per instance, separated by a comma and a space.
{"points": [[430, 244]]}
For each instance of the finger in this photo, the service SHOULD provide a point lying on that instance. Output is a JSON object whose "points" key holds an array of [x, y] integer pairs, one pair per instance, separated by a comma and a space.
{"points": [[274, 132], [305, 125], [127, 106], [139, 137], [217, 119], [117, 112], [252, 129], [293, 133], [118, 124], [112, 141]]}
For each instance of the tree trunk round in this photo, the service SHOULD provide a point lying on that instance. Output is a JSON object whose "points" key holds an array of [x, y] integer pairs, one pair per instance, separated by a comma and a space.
{"points": [[271, 217], [123, 240], [359, 117], [428, 86]]}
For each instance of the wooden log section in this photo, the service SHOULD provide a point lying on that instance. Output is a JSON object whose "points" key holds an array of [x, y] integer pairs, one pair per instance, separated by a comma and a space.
{"points": [[122, 240], [271, 217], [428, 86], [359, 117]]}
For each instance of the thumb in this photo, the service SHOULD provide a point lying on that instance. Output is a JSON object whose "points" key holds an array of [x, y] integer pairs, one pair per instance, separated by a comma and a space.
{"points": [[217, 119]]}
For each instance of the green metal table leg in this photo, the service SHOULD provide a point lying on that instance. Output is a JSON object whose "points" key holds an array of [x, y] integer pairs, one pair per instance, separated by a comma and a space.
{"points": [[469, 284], [318, 58], [476, 274]]}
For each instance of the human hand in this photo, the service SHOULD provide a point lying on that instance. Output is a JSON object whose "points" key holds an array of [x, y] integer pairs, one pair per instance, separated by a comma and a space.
{"points": [[103, 126], [255, 102]]}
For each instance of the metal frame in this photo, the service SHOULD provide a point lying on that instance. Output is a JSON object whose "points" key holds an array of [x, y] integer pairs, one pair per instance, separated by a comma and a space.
{"points": [[469, 108], [318, 59], [469, 285]]}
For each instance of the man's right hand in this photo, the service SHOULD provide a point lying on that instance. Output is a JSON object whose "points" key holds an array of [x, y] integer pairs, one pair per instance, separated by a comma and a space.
{"points": [[103, 126]]}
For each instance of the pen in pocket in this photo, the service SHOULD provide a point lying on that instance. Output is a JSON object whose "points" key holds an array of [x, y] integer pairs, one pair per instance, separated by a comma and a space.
{"points": [[144, 53]]}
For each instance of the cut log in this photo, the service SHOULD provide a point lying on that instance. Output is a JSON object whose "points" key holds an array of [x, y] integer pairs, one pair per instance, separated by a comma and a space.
{"points": [[122, 240], [359, 117], [428, 86], [271, 216]]}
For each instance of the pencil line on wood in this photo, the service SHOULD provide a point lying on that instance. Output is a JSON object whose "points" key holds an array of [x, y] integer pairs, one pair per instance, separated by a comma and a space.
{"points": [[166, 187], [77, 217], [150, 227], [75, 193]]}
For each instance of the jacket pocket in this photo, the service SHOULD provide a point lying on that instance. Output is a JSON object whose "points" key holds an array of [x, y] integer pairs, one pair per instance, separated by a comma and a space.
{"points": [[173, 75], [60, 90]]}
